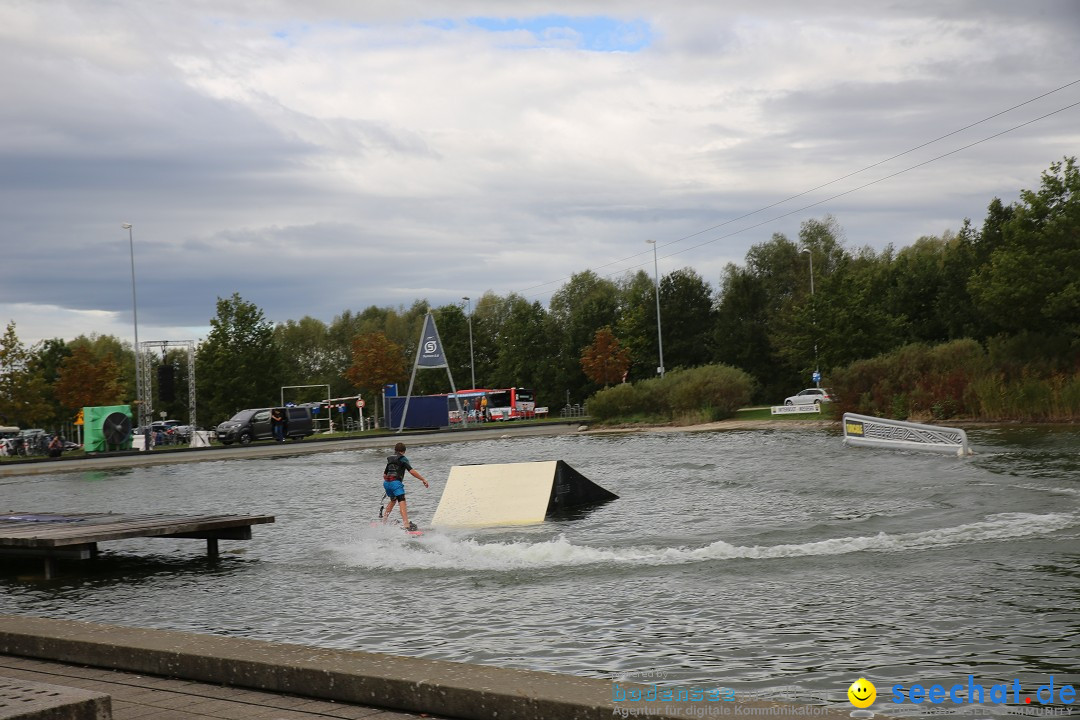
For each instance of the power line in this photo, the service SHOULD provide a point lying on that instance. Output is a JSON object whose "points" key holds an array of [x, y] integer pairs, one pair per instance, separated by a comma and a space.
{"points": [[831, 182], [872, 182]]}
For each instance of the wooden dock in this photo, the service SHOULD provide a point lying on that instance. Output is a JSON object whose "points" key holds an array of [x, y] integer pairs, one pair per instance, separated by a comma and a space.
{"points": [[76, 535]]}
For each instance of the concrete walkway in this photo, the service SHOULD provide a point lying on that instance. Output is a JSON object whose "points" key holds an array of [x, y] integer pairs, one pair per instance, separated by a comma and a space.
{"points": [[271, 449], [172, 675], [153, 698]]}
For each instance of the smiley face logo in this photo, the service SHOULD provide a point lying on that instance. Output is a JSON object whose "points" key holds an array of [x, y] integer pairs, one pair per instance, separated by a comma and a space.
{"points": [[862, 693]]}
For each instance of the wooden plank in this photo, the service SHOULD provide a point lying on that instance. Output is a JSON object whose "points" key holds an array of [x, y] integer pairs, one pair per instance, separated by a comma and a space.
{"points": [[96, 527]]}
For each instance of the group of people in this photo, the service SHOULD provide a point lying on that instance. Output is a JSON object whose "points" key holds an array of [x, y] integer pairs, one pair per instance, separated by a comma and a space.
{"points": [[482, 412], [32, 445]]}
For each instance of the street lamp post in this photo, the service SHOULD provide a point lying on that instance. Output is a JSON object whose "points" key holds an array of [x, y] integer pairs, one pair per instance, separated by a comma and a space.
{"points": [[656, 284], [472, 364], [813, 318], [135, 315]]}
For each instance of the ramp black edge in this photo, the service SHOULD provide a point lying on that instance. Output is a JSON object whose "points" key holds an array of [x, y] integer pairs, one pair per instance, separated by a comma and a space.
{"points": [[572, 489]]}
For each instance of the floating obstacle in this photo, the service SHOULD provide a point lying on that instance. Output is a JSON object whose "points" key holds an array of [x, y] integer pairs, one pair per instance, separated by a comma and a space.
{"points": [[513, 494], [869, 431]]}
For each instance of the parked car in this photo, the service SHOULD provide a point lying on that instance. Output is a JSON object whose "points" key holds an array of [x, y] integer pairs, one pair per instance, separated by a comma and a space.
{"points": [[814, 396], [248, 425]]}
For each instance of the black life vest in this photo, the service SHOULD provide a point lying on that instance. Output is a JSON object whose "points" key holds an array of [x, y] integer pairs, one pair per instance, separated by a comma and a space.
{"points": [[395, 470]]}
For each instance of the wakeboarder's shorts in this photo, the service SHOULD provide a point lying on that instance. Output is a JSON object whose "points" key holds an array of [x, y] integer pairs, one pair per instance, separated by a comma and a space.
{"points": [[395, 489]]}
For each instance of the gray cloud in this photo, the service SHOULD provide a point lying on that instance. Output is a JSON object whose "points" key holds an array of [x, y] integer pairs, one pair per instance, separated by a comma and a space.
{"points": [[322, 156]]}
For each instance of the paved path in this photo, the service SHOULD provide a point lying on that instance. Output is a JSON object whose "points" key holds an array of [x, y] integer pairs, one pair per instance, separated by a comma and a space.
{"points": [[145, 697], [271, 449]]}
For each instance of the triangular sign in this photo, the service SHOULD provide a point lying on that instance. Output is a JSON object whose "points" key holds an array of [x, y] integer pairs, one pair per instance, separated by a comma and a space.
{"points": [[431, 353]]}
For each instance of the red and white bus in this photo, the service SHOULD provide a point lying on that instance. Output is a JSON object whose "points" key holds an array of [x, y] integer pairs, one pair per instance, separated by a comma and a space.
{"points": [[503, 404]]}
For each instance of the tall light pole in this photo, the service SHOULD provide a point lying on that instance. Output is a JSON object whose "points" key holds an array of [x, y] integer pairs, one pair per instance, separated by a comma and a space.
{"points": [[135, 315], [813, 318], [472, 365], [656, 284]]}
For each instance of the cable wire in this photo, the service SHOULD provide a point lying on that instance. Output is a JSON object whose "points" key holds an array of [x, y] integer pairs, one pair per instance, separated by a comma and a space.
{"points": [[831, 182]]}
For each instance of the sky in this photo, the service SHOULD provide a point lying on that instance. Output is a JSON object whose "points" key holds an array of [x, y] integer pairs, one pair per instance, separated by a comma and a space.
{"points": [[330, 155]]}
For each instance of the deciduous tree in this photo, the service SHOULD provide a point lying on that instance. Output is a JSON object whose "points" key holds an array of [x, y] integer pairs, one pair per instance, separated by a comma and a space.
{"points": [[22, 388], [85, 380], [239, 365], [376, 361], [605, 361]]}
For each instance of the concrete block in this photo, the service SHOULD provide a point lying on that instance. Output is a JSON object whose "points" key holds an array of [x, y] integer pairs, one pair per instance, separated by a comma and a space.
{"points": [[27, 700]]}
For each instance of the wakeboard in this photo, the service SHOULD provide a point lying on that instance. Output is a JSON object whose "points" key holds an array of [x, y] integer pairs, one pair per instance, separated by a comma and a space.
{"points": [[413, 530]]}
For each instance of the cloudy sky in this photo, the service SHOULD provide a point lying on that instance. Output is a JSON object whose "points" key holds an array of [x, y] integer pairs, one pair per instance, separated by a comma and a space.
{"points": [[327, 155]]}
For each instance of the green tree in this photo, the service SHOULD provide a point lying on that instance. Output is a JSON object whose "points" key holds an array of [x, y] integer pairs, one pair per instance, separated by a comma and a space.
{"points": [[687, 317], [636, 324], [523, 347], [851, 321], [1030, 281], [239, 365], [741, 330], [579, 308], [759, 307], [23, 399], [47, 358], [313, 354], [913, 281]]}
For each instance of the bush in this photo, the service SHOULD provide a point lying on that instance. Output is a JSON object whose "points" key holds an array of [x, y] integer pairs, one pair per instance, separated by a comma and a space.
{"points": [[712, 392], [956, 379]]}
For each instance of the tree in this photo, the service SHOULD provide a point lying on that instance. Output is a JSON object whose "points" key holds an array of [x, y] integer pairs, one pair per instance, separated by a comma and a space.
{"points": [[687, 317], [851, 320], [111, 346], [636, 324], [377, 361], [239, 366], [606, 361], [523, 346], [47, 357], [87, 381], [1030, 282], [579, 308], [313, 354], [741, 330], [22, 387]]}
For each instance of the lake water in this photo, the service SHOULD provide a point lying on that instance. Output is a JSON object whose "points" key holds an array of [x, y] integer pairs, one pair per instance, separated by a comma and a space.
{"points": [[766, 561]]}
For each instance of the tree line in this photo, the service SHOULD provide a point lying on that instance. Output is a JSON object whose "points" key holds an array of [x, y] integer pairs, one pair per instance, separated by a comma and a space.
{"points": [[1012, 286]]}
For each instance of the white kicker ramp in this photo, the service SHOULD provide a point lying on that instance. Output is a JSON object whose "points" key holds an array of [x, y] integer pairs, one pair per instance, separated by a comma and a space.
{"points": [[513, 493]]}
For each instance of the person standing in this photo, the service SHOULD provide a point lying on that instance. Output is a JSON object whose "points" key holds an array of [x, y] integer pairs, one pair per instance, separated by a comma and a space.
{"points": [[393, 476], [484, 417], [277, 422]]}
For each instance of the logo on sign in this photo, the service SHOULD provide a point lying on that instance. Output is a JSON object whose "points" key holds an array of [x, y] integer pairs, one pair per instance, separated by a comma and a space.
{"points": [[854, 427], [431, 346]]}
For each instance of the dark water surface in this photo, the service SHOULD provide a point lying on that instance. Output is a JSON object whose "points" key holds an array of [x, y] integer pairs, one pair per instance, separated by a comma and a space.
{"points": [[751, 559]]}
